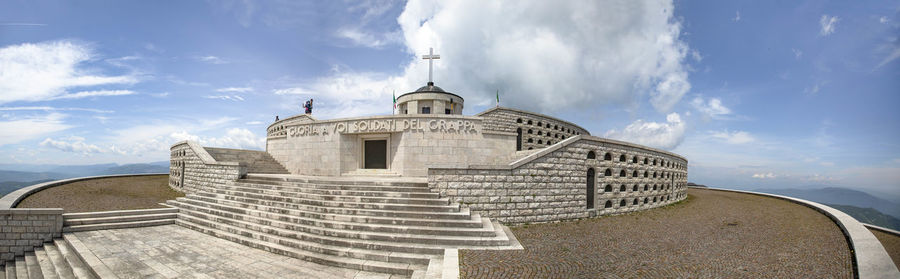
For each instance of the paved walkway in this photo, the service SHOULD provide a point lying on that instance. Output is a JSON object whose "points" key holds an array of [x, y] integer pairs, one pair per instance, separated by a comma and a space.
{"points": [[713, 234], [175, 252]]}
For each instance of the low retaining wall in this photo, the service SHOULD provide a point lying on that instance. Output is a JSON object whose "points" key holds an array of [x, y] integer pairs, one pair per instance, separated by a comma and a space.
{"points": [[22, 229], [191, 166], [869, 257]]}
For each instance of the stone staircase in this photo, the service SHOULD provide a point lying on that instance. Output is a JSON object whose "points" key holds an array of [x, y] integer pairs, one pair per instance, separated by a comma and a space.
{"points": [[56, 259], [400, 228], [119, 219]]}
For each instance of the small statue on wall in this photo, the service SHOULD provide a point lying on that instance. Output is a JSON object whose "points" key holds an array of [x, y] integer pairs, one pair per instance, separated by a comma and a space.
{"points": [[308, 106]]}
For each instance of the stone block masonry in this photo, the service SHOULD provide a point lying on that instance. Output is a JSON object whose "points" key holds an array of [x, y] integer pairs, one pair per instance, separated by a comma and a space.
{"points": [[583, 176], [192, 167], [24, 229]]}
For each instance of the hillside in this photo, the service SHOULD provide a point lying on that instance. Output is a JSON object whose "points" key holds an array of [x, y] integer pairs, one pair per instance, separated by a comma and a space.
{"points": [[17, 177], [840, 196], [7, 187], [869, 215]]}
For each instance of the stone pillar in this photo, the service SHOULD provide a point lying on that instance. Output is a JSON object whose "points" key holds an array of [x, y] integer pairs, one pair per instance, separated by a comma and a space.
{"points": [[412, 107]]}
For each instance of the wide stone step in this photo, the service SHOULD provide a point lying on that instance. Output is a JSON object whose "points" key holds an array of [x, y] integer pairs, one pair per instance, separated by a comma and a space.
{"points": [[79, 268], [33, 266], [325, 181], [288, 188], [378, 242], [43, 261], [210, 192], [462, 214], [339, 196], [21, 269], [100, 214], [431, 220], [119, 219], [121, 225], [278, 248], [318, 224], [356, 187], [63, 270]]}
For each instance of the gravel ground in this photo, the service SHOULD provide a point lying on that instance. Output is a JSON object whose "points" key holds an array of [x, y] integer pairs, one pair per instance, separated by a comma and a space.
{"points": [[119, 193], [712, 234], [891, 243]]}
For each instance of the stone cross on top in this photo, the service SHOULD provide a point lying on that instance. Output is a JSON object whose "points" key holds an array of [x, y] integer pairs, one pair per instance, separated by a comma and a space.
{"points": [[430, 56]]}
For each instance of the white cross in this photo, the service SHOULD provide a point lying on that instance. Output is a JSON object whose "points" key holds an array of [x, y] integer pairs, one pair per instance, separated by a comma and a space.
{"points": [[430, 56]]}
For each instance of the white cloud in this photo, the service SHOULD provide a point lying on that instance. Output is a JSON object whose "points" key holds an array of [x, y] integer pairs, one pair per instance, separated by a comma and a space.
{"points": [[21, 129], [666, 135], [764, 175], [72, 144], [46, 108], [736, 137], [712, 108], [235, 98], [211, 59], [367, 39], [44, 71], [346, 94], [883, 20], [254, 123], [893, 55], [737, 16], [797, 53], [98, 93], [828, 23], [549, 55], [235, 89]]}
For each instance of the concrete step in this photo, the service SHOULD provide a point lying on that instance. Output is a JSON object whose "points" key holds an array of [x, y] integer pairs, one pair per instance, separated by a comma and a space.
{"points": [[432, 220], [33, 266], [21, 269], [2, 270], [47, 268], [310, 242], [79, 268], [318, 224], [338, 197], [63, 270], [10, 269], [219, 193], [121, 225], [338, 181], [361, 193], [99, 214], [365, 265], [119, 219], [463, 214], [363, 187]]}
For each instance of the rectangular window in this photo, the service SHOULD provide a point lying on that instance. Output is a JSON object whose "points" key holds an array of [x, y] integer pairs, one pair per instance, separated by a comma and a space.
{"points": [[426, 110], [446, 111]]}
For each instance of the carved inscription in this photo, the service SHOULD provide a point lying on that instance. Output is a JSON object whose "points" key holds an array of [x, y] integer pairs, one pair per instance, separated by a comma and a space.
{"points": [[384, 125]]}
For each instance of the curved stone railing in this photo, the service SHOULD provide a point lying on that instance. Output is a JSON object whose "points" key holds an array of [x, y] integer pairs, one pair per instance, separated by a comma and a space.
{"points": [[882, 229], [870, 258], [26, 228]]}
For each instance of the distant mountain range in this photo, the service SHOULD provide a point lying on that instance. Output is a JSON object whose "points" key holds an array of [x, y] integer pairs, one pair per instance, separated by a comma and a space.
{"points": [[15, 176], [868, 215], [841, 196]]}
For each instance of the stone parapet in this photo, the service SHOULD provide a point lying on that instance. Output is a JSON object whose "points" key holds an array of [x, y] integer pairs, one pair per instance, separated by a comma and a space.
{"points": [[192, 167], [537, 130], [553, 184], [24, 229]]}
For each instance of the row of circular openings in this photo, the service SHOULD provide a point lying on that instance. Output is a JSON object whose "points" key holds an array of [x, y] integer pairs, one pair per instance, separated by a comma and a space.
{"points": [[555, 127], [609, 203], [549, 142], [634, 160], [624, 188], [624, 173], [181, 152], [539, 133]]}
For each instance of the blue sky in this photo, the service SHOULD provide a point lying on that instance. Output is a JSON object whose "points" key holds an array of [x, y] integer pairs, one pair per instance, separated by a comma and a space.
{"points": [[756, 94]]}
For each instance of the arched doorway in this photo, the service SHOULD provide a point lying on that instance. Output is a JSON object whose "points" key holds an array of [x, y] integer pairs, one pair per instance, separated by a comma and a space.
{"points": [[590, 188], [519, 139]]}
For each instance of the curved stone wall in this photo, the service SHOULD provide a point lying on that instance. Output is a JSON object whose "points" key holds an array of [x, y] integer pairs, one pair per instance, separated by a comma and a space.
{"points": [[555, 183], [190, 167], [534, 130]]}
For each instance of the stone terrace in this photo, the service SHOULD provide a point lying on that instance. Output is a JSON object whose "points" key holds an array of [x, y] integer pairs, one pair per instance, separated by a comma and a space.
{"points": [[713, 234]]}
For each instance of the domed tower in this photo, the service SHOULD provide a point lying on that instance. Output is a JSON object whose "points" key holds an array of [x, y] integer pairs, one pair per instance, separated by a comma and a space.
{"points": [[429, 99]]}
